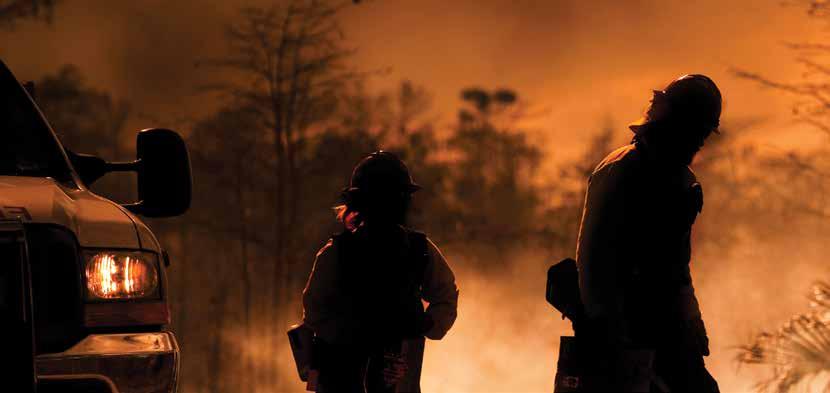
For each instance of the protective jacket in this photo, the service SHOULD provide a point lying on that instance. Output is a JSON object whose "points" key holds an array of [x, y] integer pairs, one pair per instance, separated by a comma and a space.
{"points": [[365, 293], [633, 257]]}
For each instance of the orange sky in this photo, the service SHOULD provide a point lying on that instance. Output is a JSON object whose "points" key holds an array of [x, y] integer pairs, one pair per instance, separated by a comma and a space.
{"points": [[580, 62]]}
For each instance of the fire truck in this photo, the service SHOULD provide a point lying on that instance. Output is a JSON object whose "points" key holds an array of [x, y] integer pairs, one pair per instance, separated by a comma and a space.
{"points": [[82, 279]]}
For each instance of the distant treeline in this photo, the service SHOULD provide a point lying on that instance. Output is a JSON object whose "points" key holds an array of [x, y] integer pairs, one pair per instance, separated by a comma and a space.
{"points": [[295, 118]]}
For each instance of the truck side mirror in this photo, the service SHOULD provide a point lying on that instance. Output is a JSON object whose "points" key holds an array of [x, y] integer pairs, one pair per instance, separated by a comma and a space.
{"points": [[164, 176], [163, 167]]}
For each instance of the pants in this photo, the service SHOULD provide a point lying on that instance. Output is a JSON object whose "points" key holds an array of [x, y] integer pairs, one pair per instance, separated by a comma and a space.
{"points": [[360, 370], [352, 371], [583, 367], [680, 372]]}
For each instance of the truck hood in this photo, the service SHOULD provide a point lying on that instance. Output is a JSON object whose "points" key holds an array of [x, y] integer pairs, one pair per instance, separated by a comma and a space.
{"points": [[95, 221]]}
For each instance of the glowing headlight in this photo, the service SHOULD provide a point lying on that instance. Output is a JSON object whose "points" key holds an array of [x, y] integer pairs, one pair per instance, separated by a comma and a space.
{"points": [[121, 275]]}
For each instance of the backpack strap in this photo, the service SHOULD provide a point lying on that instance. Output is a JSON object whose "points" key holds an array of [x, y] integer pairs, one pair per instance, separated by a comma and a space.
{"points": [[344, 247], [341, 242], [419, 255]]}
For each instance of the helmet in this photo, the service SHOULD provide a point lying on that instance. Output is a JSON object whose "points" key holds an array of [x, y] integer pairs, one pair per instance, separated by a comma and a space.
{"points": [[381, 172], [691, 98]]}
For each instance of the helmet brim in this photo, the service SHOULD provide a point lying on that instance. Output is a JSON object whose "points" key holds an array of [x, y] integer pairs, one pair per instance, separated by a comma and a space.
{"points": [[637, 126], [409, 188]]}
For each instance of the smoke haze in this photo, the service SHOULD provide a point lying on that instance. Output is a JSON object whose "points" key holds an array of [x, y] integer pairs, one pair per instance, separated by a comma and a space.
{"points": [[577, 62]]}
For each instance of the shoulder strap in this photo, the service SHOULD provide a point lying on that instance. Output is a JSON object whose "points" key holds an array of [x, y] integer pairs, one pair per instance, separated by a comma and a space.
{"points": [[342, 245], [419, 254]]}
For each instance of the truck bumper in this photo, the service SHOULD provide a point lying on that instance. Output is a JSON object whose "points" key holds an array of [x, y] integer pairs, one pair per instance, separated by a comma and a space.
{"points": [[115, 363]]}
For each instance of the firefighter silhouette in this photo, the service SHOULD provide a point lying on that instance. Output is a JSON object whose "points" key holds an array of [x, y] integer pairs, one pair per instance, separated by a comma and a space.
{"points": [[364, 297], [634, 251]]}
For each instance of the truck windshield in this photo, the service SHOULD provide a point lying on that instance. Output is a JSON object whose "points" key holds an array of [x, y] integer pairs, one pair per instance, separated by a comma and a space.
{"points": [[27, 145]]}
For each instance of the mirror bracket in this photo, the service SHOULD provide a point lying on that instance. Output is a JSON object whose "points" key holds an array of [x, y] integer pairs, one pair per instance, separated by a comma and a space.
{"points": [[124, 166], [91, 168], [136, 207]]}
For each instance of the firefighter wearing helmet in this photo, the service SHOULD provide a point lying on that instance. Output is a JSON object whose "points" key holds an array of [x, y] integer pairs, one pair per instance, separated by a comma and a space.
{"points": [[364, 296], [634, 251]]}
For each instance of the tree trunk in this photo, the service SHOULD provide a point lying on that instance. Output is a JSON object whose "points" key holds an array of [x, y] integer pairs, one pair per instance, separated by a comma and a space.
{"points": [[247, 361]]}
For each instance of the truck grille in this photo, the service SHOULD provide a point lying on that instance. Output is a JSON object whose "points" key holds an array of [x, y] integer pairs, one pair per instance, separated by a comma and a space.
{"points": [[16, 306], [56, 287]]}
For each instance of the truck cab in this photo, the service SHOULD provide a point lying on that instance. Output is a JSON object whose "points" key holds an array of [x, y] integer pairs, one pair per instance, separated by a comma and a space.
{"points": [[82, 279]]}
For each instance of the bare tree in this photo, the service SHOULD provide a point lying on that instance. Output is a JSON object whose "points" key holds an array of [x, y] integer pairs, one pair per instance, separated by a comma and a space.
{"points": [[813, 89], [229, 156], [293, 64], [288, 64]]}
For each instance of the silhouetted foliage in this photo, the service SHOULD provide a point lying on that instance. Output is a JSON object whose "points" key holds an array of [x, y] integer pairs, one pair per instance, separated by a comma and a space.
{"points": [[798, 351], [13, 11], [293, 63], [88, 121], [812, 91], [493, 194]]}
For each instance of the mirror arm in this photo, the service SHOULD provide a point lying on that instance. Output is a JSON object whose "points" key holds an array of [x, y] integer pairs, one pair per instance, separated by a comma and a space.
{"points": [[134, 207], [125, 166]]}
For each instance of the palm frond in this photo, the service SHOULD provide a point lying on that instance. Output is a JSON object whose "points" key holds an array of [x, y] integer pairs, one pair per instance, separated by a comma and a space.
{"points": [[798, 351]]}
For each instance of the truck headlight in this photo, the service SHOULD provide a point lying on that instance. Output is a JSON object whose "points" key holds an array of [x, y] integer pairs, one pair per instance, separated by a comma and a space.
{"points": [[116, 275]]}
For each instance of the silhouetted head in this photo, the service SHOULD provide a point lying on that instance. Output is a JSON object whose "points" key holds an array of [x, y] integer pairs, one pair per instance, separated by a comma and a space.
{"points": [[681, 117], [379, 192]]}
